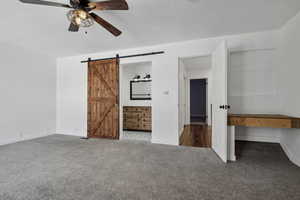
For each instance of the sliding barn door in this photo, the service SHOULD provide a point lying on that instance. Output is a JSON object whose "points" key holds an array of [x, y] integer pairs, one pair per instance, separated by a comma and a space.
{"points": [[219, 101], [103, 99]]}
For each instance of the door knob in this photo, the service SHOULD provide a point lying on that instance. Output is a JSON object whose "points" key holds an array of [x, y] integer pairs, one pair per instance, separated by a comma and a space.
{"points": [[225, 107]]}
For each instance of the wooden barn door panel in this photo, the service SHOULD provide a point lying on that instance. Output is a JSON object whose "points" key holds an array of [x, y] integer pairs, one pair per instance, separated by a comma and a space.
{"points": [[103, 99]]}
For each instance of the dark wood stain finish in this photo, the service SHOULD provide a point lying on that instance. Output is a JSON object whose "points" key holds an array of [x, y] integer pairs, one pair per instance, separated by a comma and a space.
{"points": [[109, 5], [103, 99], [108, 26]]}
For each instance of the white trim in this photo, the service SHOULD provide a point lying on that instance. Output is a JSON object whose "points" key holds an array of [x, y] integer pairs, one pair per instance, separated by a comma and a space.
{"points": [[85, 100], [79, 133], [156, 141], [290, 154], [15, 140], [231, 143], [257, 138]]}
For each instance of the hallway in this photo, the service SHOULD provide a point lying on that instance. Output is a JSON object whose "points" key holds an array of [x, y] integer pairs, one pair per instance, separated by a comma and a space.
{"points": [[196, 135]]}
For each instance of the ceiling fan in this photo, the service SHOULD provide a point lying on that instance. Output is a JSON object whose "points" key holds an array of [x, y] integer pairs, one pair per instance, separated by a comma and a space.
{"points": [[81, 15]]}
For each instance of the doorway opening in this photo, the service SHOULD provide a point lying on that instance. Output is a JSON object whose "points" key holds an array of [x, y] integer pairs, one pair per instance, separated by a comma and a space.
{"points": [[198, 101], [135, 101], [194, 101], [214, 69]]}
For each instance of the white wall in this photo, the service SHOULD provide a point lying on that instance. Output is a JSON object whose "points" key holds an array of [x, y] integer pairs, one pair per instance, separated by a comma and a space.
{"points": [[72, 95], [252, 89], [289, 70], [27, 86], [128, 71], [71, 107], [72, 81]]}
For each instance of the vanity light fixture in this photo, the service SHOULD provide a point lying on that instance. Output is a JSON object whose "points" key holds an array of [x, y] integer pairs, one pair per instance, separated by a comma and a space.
{"points": [[136, 77], [147, 77]]}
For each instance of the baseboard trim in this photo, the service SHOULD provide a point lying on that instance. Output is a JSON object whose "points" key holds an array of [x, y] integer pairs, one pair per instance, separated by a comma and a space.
{"points": [[71, 133], [290, 155], [156, 141], [252, 138], [15, 140], [2, 143]]}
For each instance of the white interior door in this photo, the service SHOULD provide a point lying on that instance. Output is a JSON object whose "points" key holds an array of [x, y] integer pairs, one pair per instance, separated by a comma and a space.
{"points": [[219, 101]]}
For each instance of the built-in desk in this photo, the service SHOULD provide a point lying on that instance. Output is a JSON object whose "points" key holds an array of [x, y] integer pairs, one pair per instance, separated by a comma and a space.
{"points": [[256, 120], [262, 120]]}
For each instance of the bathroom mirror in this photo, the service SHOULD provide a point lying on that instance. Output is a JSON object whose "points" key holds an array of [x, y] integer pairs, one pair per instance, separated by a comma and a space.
{"points": [[140, 90]]}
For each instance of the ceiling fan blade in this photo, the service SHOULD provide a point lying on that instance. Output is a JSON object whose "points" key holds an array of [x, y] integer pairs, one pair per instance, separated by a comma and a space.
{"points": [[45, 3], [73, 27], [106, 25], [109, 5]]}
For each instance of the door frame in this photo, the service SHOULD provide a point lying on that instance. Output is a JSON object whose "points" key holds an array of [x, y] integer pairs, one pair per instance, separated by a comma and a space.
{"points": [[121, 87], [187, 89]]}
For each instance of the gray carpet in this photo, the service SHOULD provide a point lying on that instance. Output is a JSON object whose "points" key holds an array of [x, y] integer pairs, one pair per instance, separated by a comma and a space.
{"points": [[67, 168], [137, 135]]}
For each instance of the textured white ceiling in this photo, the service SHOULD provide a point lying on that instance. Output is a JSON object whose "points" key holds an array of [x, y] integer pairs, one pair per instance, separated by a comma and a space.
{"points": [[148, 22]]}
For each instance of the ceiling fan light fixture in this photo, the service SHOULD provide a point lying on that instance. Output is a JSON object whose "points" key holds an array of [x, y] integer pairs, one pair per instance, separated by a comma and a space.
{"points": [[80, 17]]}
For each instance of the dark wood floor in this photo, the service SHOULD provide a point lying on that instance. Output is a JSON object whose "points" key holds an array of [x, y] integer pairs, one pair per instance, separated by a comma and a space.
{"points": [[196, 136]]}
